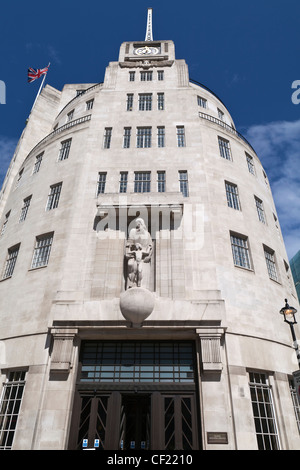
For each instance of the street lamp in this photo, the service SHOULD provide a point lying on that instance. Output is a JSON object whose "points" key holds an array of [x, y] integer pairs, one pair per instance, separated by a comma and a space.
{"points": [[288, 313]]}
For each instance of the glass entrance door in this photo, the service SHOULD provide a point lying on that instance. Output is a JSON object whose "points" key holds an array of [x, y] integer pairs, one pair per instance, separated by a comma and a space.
{"points": [[135, 430], [136, 395]]}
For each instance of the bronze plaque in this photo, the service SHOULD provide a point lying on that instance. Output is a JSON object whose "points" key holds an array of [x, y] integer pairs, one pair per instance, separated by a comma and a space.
{"points": [[217, 438]]}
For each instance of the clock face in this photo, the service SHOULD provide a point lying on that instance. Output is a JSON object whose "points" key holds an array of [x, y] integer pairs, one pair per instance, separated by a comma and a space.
{"points": [[145, 51]]}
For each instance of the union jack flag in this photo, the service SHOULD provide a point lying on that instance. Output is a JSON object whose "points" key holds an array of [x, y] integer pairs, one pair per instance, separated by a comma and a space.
{"points": [[33, 74]]}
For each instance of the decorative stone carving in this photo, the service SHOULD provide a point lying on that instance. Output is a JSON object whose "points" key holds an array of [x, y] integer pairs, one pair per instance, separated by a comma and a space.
{"points": [[137, 302], [62, 350], [136, 305], [138, 255], [210, 340]]}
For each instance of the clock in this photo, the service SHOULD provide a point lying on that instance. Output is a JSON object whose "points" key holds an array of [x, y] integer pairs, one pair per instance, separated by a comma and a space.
{"points": [[146, 50]]}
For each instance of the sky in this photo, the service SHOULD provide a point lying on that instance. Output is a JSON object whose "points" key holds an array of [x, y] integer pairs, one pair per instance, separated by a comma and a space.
{"points": [[246, 52]]}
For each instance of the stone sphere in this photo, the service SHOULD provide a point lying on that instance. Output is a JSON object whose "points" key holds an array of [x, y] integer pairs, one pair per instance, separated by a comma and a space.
{"points": [[136, 304]]}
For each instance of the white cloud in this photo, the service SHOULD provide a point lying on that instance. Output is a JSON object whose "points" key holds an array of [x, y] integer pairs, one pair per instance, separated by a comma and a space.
{"points": [[278, 147], [7, 149]]}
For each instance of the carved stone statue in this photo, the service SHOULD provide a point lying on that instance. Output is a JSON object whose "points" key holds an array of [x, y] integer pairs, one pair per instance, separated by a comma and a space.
{"points": [[138, 255]]}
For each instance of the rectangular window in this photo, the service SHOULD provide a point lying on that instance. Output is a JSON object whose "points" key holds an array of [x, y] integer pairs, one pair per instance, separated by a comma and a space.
{"points": [[10, 405], [232, 196], [143, 137], [180, 136], [220, 114], [5, 223], [161, 181], [42, 250], [271, 264], [161, 136], [101, 182], [64, 149], [126, 137], [129, 102], [53, 196], [70, 115], [296, 403], [240, 251], [250, 164], [160, 75], [131, 76], [123, 181], [263, 412], [160, 101], [107, 137], [19, 177], [183, 182], [37, 163], [145, 102], [138, 361], [146, 76], [224, 147], [24, 210], [11, 261], [89, 105], [142, 182], [260, 209], [201, 102]]}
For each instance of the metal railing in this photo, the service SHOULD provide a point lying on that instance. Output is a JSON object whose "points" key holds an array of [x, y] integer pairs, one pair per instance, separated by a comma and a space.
{"points": [[225, 126], [68, 125]]}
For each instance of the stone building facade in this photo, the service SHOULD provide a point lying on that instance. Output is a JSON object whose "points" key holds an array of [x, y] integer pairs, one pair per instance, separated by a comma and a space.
{"points": [[159, 333]]}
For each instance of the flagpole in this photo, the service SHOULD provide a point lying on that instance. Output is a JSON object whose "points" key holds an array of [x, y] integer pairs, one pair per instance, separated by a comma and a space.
{"points": [[41, 86]]}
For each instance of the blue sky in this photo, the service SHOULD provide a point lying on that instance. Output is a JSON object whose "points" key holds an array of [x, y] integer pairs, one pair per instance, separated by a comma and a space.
{"points": [[246, 52]]}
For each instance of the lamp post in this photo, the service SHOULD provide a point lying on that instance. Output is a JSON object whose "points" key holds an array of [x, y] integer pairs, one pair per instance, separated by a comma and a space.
{"points": [[288, 313]]}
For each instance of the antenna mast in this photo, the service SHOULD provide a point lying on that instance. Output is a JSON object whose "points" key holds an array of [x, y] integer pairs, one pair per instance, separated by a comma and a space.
{"points": [[149, 36]]}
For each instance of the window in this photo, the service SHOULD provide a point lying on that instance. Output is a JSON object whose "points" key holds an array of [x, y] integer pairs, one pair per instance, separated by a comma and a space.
{"points": [[180, 136], [250, 164], [161, 181], [263, 412], [160, 75], [24, 210], [143, 137], [37, 163], [70, 115], [64, 149], [201, 102], [19, 177], [5, 223], [232, 196], [224, 148], [260, 210], [220, 114], [107, 137], [107, 361], [126, 137], [271, 264], [160, 101], [11, 261], [101, 183], [161, 136], [183, 182], [131, 76], [42, 250], [146, 76], [123, 181], [240, 251], [89, 105], [129, 102], [145, 102], [296, 403], [53, 196], [10, 406], [142, 182]]}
